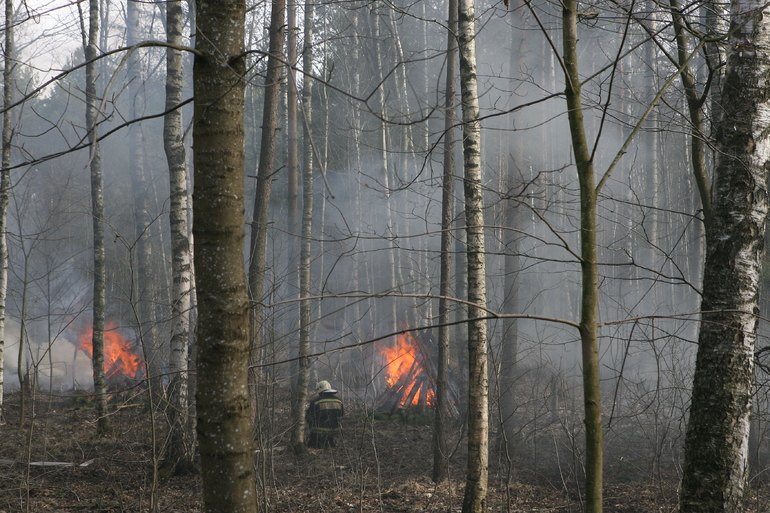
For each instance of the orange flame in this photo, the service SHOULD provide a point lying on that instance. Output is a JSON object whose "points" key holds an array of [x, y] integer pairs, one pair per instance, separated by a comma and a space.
{"points": [[403, 367], [119, 355]]}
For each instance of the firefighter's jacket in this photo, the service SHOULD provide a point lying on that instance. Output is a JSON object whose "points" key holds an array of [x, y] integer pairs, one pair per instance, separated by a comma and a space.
{"points": [[324, 414]]}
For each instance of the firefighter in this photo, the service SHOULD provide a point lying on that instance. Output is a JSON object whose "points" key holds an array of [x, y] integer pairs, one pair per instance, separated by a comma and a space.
{"points": [[323, 416]]}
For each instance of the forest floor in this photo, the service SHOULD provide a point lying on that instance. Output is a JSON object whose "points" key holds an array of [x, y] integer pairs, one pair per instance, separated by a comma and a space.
{"points": [[379, 465]]}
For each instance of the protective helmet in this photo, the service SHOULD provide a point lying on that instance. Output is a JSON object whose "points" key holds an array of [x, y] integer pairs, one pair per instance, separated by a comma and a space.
{"points": [[323, 386]]}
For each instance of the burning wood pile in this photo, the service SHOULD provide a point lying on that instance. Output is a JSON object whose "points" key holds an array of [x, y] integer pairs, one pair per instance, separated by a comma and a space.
{"points": [[410, 371], [122, 362]]}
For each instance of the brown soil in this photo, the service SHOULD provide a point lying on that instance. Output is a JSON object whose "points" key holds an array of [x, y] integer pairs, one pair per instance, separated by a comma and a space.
{"points": [[379, 465]]}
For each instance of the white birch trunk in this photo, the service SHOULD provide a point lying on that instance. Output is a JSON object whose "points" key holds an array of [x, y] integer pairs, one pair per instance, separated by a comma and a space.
{"points": [[475, 499], [5, 180], [181, 444], [97, 211], [716, 446]]}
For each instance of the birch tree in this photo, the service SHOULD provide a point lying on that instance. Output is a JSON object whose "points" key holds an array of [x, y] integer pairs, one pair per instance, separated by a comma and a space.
{"points": [[180, 449], [305, 311], [292, 167], [5, 182], [716, 446], [224, 420], [475, 499], [97, 213]]}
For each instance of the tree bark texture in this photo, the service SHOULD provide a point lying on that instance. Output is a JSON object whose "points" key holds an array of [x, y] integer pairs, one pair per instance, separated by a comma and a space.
{"points": [[305, 311], [517, 175], [97, 211], [716, 446], [589, 339], [292, 150], [144, 291], [5, 182], [694, 106], [292, 204], [475, 499], [440, 449], [223, 411], [180, 449], [258, 241]]}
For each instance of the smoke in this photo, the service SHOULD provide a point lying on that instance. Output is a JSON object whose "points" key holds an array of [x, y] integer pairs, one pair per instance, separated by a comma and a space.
{"points": [[58, 364]]}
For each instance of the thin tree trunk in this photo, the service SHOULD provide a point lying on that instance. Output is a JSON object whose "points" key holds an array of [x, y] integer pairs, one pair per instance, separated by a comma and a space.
{"points": [[180, 449], [716, 446], [5, 181], [475, 499], [588, 264], [440, 448], [292, 149], [24, 383], [97, 211], [384, 142], [224, 419], [258, 241], [303, 371], [144, 290], [694, 104], [355, 160], [513, 219]]}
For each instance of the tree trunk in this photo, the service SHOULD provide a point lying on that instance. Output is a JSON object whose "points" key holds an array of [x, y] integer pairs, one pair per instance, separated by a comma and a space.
{"points": [[383, 150], [716, 445], [144, 290], [258, 242], [513, 220], [5, 182], [440, 449], [588, 263], [97, 211], [180, 450], [694, 104], [475, 499], [224, 420], [292, 149], [303, 370]]}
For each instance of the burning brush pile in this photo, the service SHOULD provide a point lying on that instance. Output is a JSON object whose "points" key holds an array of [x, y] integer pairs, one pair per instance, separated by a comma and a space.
{"points": [[123, 364], [411, 367]]}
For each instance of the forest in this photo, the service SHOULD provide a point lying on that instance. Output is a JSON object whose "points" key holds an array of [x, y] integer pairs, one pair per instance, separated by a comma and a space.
{"points": [[523, 240]]}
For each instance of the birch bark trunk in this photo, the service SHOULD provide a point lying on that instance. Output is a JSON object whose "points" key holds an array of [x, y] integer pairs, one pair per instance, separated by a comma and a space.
{"points": [[180, 450], [303, 371], [97, 211], [5, 181], [292, 150], [475, 499], [716, 445]]}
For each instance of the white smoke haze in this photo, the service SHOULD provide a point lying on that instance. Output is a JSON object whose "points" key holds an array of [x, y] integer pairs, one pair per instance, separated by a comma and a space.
{"points": [[58, 364]]}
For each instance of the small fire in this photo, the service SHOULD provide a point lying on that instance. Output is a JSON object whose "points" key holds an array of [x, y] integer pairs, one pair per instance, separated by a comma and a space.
{"points": [[120, 359], [405, 371]]}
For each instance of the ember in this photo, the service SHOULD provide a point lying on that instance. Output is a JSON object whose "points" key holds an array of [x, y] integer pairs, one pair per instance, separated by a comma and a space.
{"points": [[120, 358]]}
